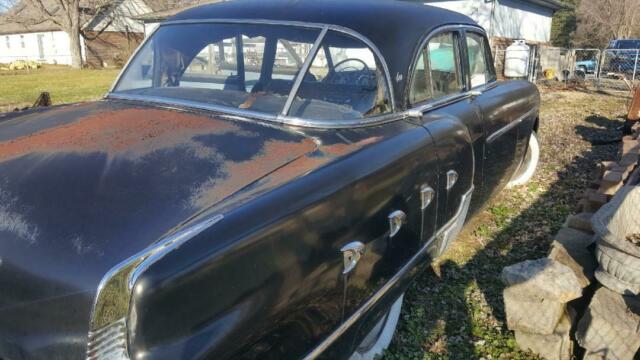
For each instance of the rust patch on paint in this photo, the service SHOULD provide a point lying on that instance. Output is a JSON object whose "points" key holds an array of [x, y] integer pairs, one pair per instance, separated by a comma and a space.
{"points": [[309, 162], [237, 175], [135, 132]]}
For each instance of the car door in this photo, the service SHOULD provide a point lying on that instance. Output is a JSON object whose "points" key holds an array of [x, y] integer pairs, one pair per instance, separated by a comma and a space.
{"points": [[438, 92], [499, 114]]}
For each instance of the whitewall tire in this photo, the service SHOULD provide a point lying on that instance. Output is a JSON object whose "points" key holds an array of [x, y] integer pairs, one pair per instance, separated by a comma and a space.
{"points": [[379, 338], [529, 164]]}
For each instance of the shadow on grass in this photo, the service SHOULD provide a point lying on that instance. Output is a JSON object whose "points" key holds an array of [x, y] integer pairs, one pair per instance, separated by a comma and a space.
{"points": [[459, 314]]}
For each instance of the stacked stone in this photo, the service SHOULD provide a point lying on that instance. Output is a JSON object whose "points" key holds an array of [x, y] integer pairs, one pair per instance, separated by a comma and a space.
{"points": [[612, 176], [536, 300], [610, 327]]}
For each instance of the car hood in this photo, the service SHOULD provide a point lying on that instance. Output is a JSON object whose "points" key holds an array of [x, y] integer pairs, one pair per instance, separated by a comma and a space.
{"points": [[83, 187]]}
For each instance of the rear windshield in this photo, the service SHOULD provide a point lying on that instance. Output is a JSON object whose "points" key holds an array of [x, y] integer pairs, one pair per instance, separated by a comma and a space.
{"points": [[254, 67]]}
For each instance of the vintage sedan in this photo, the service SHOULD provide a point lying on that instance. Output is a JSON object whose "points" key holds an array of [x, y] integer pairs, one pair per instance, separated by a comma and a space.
{"points": [[264, 180]]}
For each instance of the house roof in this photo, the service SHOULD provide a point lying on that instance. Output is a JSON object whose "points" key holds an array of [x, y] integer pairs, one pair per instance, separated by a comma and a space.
{"points": [[551, 4], [162, 14]]}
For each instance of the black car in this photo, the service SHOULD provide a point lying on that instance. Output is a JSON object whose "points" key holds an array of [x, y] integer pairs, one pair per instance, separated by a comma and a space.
{"points": [[263, 181]]}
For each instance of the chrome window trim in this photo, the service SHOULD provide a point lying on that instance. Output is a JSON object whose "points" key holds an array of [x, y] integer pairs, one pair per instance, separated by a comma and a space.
{"points": [[494, 81], [303, 71], [331, 338], [281, 119], [433, 103], [505, 129]]}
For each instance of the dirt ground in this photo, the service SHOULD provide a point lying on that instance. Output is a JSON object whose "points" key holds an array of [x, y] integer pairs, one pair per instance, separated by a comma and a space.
{"points": [[460, 313]]}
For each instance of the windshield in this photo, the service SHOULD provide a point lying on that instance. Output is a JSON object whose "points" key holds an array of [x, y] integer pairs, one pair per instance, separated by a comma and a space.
{"points": [[254, 67]]}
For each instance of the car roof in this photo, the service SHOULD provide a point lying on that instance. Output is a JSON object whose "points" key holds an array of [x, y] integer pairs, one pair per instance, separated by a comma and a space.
{"points": [[395, 27]]}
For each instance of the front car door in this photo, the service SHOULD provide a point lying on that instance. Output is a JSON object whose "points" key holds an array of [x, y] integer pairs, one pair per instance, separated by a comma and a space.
{"points": [[500, 119]]}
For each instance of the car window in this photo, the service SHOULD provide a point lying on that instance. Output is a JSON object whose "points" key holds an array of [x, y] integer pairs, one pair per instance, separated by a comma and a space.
{"points": [[437, 72], [240, 66], [479, 68], [345, 81]]}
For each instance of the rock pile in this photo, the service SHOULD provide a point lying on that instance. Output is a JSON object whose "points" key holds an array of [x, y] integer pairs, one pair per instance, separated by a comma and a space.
{"points": [[588, 288]]}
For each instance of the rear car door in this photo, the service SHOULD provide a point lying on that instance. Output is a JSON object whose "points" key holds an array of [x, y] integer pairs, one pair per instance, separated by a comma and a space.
{"points": [[438, 92]]}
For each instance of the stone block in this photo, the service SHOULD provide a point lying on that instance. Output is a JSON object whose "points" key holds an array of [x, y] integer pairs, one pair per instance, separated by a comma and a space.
{"points": [[613, 176], [595, 201], [581, 222], [542, 279], [611, 326], [574, 239], [531, 314], [580, 260], [554, 346]]}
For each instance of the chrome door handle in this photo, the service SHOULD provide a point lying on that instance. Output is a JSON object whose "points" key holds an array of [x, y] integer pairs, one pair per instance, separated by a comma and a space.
{"points": [[452, 179], [427, 194], [475, 93], [396, 220], [351, 254]]}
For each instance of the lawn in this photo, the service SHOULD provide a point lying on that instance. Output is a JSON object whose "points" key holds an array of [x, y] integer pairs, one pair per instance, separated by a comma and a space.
{"points": [[456, 312], [21, 88]]}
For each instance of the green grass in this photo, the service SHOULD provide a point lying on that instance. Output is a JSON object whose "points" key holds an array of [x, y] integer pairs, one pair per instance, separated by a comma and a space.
{"points": [[19, 89]]}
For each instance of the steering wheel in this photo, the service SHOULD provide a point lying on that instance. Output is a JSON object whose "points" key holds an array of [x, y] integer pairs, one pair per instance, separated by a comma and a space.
{"points": [[336, 76], [364, 65]]}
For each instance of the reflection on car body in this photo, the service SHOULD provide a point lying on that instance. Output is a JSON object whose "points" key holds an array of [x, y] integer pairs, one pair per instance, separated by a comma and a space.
{"points": [[254, 186]]}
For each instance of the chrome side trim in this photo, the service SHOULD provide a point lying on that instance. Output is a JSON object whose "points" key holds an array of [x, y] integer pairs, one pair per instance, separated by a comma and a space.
{"points": [[116, 288], [505, 129], [329, 340], [303, 71]]}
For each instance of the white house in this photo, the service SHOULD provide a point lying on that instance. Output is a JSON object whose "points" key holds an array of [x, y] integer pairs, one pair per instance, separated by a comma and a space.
{"points": [[26, 35], [507, 20]]}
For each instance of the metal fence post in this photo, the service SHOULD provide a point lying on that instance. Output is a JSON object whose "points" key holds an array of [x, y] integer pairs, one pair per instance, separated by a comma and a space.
{"points": [[635, 66]]}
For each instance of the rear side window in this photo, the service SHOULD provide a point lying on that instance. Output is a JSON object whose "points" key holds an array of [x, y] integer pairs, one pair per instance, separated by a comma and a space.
{"points": [[480, 70], [437, 72], [345, 81]]}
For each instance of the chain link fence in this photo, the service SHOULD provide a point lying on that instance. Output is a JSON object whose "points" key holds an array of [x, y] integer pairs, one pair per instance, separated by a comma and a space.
{"points": [[610, 69]]}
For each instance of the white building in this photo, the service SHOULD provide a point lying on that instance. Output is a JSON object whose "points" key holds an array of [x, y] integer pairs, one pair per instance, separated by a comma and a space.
{"points": [[507, 20], [26, 35]]}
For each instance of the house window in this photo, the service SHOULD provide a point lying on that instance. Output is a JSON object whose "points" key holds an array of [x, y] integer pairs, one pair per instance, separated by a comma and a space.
{"points": [[7, 41], [22, 41]]}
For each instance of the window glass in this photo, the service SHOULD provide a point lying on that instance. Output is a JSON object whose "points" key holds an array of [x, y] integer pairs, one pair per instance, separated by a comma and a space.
{"points": [[479, 69], [345, 82], [437, 72], [442, 52], [421, 89], [240, 66]]}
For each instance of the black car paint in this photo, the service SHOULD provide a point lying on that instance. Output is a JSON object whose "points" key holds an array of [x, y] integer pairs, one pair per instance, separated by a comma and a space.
{"points": [[266, 282]]}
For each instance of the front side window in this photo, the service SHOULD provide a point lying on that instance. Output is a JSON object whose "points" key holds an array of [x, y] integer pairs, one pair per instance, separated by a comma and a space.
{"points": [[437, 72], [254, 67], [345, 81], [480, 71]]}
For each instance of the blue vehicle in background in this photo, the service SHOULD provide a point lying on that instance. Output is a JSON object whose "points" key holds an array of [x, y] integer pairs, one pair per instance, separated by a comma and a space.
{"points": [[621, 57]]}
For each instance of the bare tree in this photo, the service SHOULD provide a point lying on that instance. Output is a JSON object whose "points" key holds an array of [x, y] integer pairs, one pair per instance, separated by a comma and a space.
{"points": [[602, 20], [71, 16]]}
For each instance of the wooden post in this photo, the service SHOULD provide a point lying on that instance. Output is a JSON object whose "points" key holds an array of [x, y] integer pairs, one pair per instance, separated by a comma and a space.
{"points": [[634, 110]]}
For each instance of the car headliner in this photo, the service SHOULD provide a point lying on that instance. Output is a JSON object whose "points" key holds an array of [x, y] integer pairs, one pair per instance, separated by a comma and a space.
{"points": [[395, 27]]}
